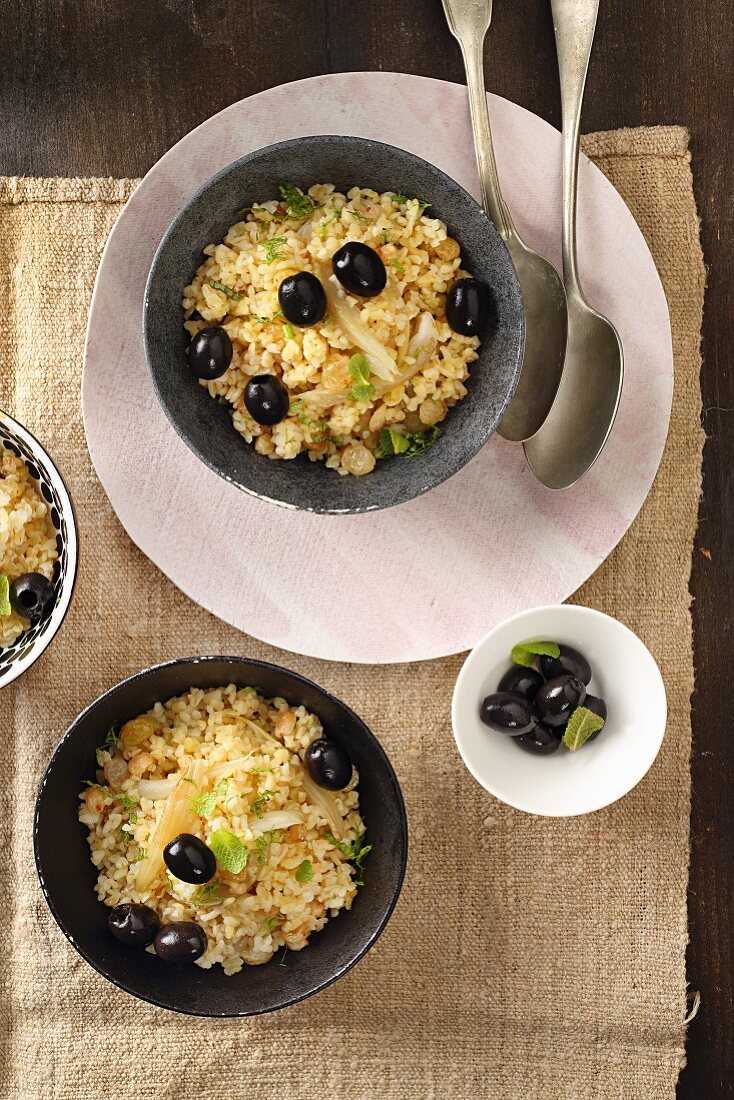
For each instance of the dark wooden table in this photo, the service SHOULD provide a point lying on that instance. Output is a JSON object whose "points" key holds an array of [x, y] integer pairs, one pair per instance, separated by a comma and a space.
{"points": [[97, 87]]}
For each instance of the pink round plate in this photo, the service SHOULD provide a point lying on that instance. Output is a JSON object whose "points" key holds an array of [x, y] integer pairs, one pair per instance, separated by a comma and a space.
{"points": [[433, 576]]}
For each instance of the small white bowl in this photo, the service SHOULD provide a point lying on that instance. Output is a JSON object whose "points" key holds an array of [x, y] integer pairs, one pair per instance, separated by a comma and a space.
{"points": [[565, 783]]}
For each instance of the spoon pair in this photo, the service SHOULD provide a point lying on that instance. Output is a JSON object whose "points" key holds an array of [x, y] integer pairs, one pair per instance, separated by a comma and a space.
{"points": [[571, 379]]}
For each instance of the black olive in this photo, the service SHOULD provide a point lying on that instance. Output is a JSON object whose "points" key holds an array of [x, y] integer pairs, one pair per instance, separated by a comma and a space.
{"points": [[302, 299], [32, 596], [210, 352], [521, 681], [134, 925], [596, 706], [557, 700], [328, 764], [469, 307], [509, 713], [360, 269], [540, 741], [569, 663], [182, 941], [266, 399], [189, 859]]}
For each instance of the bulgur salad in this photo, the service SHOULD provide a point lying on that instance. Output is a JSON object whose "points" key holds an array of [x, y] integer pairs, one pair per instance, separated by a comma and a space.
{"points": [[28, 550], [340, 326], [225, 828]]}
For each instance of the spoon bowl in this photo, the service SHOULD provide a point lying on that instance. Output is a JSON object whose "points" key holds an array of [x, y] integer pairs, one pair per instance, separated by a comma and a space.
{"points": [[587, 400]]}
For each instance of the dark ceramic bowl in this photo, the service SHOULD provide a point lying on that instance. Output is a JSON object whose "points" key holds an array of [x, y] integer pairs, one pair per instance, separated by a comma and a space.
{"points": [[206, 426], [68, 876]]}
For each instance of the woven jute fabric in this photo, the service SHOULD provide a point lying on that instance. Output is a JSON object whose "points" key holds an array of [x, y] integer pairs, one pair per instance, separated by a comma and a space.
{"points": [[527, 958]]}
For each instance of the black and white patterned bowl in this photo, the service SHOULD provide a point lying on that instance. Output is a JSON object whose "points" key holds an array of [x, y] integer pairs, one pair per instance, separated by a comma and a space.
{"points": [[16, 658]]}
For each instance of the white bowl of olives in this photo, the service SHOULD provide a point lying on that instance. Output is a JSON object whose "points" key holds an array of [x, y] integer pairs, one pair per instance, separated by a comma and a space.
{"points": [[559, 711]]}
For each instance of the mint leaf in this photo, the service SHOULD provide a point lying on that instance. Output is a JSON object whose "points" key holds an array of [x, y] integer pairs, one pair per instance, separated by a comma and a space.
{"points": [[581, 725], [231, 853], [526, 653], [226, 290], [305, 871], [359, 368], [263, 842], [5, 607], [356, 852], [109, 744], [209, 894], [396, 442], [258, 806]]}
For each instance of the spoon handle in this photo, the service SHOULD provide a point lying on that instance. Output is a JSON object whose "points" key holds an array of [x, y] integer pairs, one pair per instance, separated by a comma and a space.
{"points": [[574, 23], [469, 21]]}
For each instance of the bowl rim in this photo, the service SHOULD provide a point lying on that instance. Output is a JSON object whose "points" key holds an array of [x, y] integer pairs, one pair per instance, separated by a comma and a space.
{"points": [[572, 611], [67, 591], [374, 745], [309, 139]]}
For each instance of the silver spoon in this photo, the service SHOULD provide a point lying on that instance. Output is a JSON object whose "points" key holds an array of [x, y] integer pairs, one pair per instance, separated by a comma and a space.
{"points": [[542, 290], [578, 425]]}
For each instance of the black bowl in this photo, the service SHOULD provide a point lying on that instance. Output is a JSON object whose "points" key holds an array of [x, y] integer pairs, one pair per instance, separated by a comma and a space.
{"points": [[68, 876], [206, 426]]}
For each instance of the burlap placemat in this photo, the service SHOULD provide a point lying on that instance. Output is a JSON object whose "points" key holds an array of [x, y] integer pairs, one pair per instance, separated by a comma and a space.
{"points": [[527, 958]]}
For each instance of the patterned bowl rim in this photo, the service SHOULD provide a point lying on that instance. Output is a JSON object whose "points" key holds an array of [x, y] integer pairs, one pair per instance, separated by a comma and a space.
{"points": [[72, 549]]}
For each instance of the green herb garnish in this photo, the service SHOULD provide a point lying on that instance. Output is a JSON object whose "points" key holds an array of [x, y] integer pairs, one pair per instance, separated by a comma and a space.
{"points": [[263, 842], [525, 653], [205, 802], [385, 237], [142, 854], [281, 960], [127, 801], [258, 806], [402, 199], [209, 894], [109, 744], [410, 444], [321, 430], [325, 222], [5, 607], [356, 852], [298, 205], [227, 290], [273, 249], [123, 834], [359, 216], [304, 872], [400, 270], [272, 923], [581, 725], [359, 368], [231, 853], [289, 332]]}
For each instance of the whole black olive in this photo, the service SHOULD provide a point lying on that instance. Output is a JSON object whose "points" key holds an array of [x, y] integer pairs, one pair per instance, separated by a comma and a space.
{"points": [[557, 700], [508, 713], [569, 663], [32, 595], [360, 269], [540, 741], [133, 924], [182, 941], [596, 706], [469, 307], [328, 764], [210, 352], [266, 399], [302, 299], [190, 859], [521, 681]]}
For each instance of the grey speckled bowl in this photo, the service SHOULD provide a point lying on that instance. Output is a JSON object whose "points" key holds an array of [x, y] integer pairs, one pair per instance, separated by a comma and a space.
{"points": [[205, 425]]}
